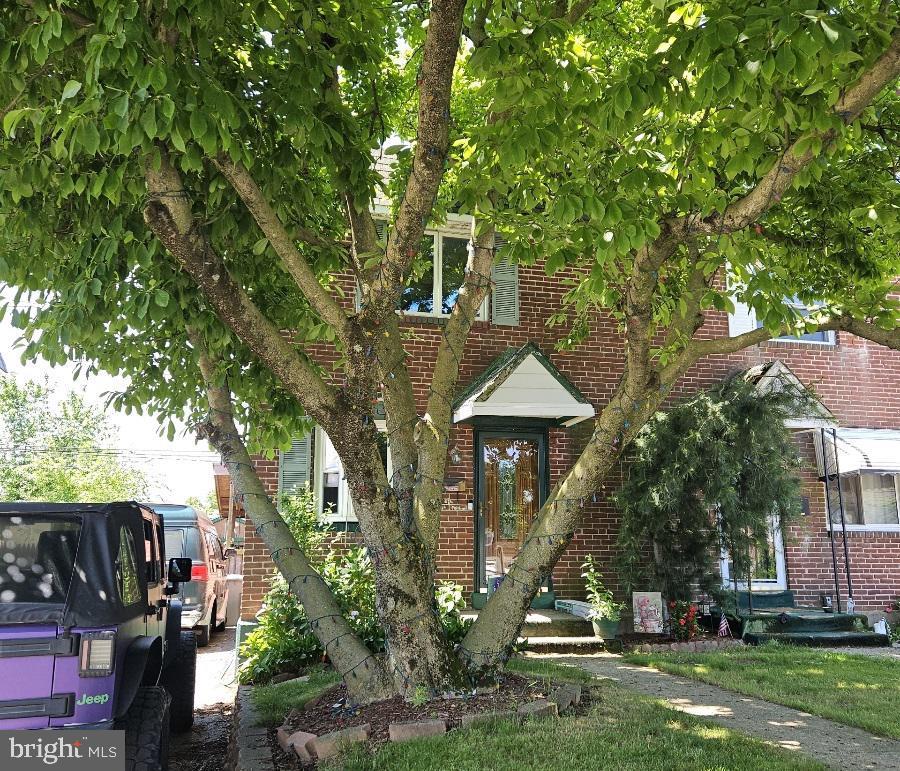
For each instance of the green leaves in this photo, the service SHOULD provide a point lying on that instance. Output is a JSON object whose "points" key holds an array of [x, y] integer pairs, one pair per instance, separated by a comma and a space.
{"points": [[71, 89], [87, 137]]}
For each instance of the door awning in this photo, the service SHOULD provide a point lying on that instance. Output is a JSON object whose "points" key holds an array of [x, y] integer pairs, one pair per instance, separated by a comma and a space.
{"points": [[777, 376], [860, 449], [523, 383]]}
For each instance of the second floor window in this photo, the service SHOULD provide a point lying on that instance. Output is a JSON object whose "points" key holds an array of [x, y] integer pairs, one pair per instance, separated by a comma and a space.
{"points": [[437, 274], [801, 308]]}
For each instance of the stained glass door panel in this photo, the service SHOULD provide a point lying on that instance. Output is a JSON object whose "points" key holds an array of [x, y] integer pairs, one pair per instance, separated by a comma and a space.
{"points": [[510, 499]]}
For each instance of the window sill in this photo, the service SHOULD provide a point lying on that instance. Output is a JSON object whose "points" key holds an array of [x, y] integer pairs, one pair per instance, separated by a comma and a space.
{"points": [[867, 528], [793, 341]]}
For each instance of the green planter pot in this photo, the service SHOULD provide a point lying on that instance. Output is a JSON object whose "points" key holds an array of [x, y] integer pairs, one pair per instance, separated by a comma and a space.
{"points": [[604, 628]]}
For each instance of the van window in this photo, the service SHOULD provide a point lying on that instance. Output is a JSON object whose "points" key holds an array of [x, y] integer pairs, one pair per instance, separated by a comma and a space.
{"points": [[174, 542]]}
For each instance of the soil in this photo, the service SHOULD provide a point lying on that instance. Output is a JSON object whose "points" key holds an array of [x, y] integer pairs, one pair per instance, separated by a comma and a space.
{"points": [[332, 712], [205, 746]]}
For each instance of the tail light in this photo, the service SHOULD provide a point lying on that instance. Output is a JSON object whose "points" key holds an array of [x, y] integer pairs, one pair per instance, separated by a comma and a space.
{"points": [[97, 657], [199, 573]]}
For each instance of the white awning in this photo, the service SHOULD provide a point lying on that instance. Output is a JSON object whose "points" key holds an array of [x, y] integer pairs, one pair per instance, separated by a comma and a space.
{"points": [[523, 383], [860, 449]]}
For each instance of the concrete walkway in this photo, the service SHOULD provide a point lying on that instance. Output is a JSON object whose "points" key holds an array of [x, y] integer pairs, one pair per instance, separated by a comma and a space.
{"points": [[837, 746]]}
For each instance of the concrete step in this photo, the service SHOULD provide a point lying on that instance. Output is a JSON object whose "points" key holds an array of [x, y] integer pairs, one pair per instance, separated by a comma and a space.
{"points": [[548, 623], [568, 644], [820, 639], [762, 600], [790, 620]]}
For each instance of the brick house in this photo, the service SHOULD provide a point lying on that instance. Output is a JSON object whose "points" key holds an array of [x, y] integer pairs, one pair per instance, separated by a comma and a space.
{"points": [[524, 410]]}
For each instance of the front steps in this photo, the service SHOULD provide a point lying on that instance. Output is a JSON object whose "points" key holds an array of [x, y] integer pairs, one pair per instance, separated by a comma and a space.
{"points": [[548, 623], [809, 626]]}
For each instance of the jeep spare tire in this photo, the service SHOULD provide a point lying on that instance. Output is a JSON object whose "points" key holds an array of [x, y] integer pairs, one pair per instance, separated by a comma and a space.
{"points": [[179, 679], [146, 727]]}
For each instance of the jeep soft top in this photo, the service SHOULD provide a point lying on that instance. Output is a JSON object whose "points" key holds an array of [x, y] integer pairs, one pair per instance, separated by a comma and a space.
{"points": [[77, 545]]}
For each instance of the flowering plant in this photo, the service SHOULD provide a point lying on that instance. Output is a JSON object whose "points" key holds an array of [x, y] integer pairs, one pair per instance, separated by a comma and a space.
{"points": [[683, 617]]}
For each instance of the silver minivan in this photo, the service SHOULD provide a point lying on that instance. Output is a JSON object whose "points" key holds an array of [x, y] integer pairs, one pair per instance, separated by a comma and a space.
{"points": [[204, 599]]}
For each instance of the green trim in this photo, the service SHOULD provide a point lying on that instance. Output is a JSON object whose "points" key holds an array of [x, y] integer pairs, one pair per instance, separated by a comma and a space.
{"points": [[504, 365], [541, 601]]}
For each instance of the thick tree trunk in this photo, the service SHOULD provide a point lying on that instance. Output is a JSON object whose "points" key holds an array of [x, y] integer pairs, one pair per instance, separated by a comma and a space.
{"points": [[417, 649], [363, 672]]}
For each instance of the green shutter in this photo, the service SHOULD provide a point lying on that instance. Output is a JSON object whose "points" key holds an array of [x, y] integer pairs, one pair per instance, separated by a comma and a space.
{"points": [[294, 466], [505, 296], [381, 234]]}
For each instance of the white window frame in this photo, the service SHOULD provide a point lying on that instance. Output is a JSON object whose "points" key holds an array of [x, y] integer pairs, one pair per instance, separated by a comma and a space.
{"points": [[885, 527], [793, 302], [779, 583], [457, 226], [344, 511]]}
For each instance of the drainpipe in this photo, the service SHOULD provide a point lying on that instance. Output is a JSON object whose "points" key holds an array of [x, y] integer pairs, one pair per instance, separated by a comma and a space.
{"points": [[229, 528], [829, 522]]}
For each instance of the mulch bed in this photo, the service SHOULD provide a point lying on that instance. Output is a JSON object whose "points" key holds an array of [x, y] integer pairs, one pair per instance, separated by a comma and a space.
{"points": [[331, 711]]}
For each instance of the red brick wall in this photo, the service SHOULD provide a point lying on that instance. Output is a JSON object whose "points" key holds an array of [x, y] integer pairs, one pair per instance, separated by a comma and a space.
{"points": [[258, 566], [857, 380]]}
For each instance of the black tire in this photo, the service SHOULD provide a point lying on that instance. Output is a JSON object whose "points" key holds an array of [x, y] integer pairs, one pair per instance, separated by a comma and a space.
{"points": [[204, 632], [179, 680], [214, 624], [146, 727]]}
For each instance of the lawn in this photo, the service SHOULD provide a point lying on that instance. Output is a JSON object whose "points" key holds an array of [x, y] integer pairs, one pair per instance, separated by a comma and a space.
{"points": [[622, 731], [862, 691], [274, 701]]}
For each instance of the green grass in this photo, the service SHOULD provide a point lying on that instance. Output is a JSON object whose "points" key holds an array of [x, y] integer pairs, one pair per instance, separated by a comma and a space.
{"points": [[862, 691], [275, 701], [547, 670], [622, 731]]}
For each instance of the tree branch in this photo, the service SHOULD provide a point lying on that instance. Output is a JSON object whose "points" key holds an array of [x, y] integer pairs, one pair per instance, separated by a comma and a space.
{"points": [[779, 178], [434, 428], [322, 301], [432, 145], [344, 647], [169, 215], [75, 19]]}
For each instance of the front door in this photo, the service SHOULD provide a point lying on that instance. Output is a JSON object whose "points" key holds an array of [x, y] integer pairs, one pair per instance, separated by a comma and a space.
{"points": [[768, 564], [511, 489]]}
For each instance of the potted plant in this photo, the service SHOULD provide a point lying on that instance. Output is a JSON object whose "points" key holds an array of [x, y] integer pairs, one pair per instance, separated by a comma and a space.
{"points": [[605, 611]]}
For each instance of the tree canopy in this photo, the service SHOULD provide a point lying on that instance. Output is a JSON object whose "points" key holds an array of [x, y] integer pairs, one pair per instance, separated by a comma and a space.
{"points": [[58, 450], [182, 181]]}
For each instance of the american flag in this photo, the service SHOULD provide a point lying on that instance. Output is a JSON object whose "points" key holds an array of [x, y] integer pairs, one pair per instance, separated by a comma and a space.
{"points": [[724, 629]]}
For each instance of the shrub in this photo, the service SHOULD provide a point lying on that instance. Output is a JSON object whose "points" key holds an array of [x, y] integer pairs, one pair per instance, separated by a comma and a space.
{"points": [[603, 606], [284, 640], [683, 617]]}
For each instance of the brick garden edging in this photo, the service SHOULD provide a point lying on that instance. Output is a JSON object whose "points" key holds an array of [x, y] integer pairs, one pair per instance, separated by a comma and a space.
{"points": [[697, 645], [249, 748]]}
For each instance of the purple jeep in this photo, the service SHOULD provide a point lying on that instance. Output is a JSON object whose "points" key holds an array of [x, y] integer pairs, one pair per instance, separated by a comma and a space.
{"points": [[90, 625]]}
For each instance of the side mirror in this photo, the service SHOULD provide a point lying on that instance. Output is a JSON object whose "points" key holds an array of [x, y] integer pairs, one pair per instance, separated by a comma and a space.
{"points": [[180, 569]]}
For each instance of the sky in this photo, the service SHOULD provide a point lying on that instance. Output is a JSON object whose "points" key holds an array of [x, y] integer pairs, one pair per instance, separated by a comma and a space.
{"points": [[175, 470]]}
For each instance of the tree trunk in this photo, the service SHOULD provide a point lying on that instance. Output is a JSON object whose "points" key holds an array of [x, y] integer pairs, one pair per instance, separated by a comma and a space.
{"points": [[417, 649], [362, 671], [489, 642]]}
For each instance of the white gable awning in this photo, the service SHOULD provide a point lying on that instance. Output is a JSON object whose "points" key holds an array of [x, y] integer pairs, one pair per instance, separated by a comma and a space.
{"points": [[860, 449], [523, 383], [777, 376]]}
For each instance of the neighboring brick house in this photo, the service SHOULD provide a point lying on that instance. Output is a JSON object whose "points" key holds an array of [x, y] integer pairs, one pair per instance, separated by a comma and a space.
{"points": [[524, 411]]}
